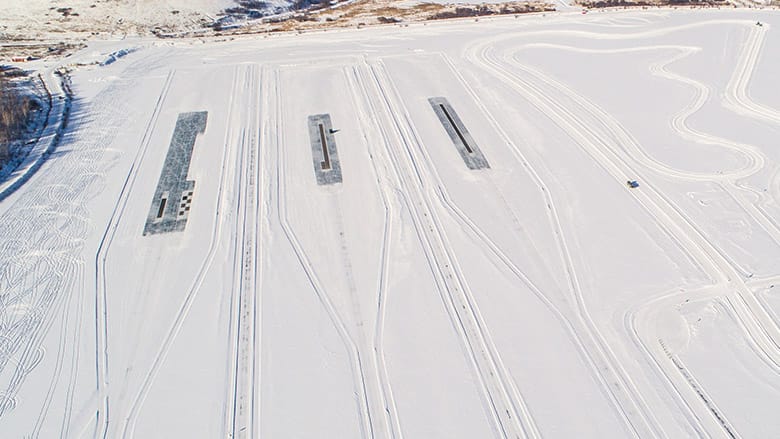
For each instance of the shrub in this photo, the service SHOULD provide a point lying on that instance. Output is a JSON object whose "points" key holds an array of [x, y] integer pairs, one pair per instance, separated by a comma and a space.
{"points": [[15, 110]]}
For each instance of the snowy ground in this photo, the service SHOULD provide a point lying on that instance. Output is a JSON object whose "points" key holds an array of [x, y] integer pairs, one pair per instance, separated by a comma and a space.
{"points": [[538, 298], [36, 27], [31, 19]]}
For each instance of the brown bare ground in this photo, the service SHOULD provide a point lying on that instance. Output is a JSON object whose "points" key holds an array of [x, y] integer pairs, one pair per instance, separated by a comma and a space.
{"points": [[34, 50], [373, 12], [595, 4]]}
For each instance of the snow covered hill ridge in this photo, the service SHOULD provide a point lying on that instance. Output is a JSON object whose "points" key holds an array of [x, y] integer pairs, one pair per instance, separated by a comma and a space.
{"points": [[36, 19], [39, 28]]}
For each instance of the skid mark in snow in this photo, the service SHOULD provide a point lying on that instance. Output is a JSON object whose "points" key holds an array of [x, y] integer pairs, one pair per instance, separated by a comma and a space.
{"points": [[358, 370], [39, 274]]}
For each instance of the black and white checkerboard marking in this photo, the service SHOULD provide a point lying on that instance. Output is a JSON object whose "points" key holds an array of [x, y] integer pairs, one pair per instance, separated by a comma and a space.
{"points": [[185, 204]]}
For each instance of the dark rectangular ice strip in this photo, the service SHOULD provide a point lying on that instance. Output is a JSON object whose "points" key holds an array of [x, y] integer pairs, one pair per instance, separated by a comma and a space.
{"points": [[458, 133], [163, 214]]}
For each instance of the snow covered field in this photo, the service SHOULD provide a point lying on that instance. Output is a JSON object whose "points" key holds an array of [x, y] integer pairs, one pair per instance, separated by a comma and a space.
{"points": [[539, 297], [66, 19]]}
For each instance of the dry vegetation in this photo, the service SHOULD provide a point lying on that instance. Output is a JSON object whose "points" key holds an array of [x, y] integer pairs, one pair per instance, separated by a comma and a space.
{"points": [[78, 20], [486, 10], [15, 112], [38, 50], [61, 29], [649, 3], [371, 12]]}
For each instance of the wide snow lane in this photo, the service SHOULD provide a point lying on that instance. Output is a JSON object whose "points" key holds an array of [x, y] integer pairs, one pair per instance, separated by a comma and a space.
{"points": [[169, 292]]}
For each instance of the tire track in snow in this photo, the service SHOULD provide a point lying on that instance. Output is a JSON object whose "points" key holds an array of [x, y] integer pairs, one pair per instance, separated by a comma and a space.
{"points": [[65, 332], [368, 117], [358, 370], [737, 97], [756, 325], [216, 235], [727, 181], [621, 389], [572, 327], [245, 285], [101, 313], [39, 274], [682, 393], [500, 396], [456, 213], [755, 160], [679, 123], [700, 392]]}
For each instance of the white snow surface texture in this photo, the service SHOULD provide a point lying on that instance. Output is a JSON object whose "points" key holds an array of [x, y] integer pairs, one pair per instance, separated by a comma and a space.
{"points": [[539, 297]]}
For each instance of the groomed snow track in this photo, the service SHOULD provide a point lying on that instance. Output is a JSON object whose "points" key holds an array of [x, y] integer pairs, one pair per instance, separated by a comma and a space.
{"points": [[415, 296]]}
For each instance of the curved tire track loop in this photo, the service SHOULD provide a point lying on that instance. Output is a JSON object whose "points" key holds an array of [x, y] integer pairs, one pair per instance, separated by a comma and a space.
{"points": [[710, 420], [682, 394], [726, 180], [510, 416], [706, 419], [761, 330], [739, 303], [759, 159], [736, 99], [356, 362], [754, 158], [40, 275], [216, 235]]}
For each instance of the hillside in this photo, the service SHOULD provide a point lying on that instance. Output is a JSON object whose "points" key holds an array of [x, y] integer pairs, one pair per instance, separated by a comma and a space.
{"points": [[46, 19]]}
